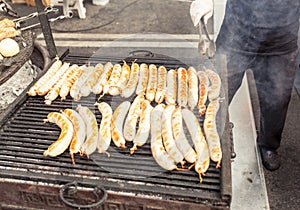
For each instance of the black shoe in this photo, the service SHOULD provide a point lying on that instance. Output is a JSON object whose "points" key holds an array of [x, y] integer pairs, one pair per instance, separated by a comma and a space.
{"points": [[270, 158]]}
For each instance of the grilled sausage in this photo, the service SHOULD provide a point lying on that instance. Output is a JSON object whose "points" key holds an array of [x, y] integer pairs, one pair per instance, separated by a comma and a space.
{"points": [[132, 82], [171, 94], [180, 138], [193, 126], [75, 89], [144, 126], [161, 157], [117, 122], [132, 118], [89, 118], [124, 78], [215, 87], [102, 80], [152, 83], [65, 89], [167, 135], [6, 23], [182, 94], [203, 91], [43, 90], [65, 137], [192, 88], [8, 32], [104, 135], [91, 80], [49, 74], [143, 80], [161, 84], [79, 131], [84, 88], [211, 133], [112, 83], [54, 92]]}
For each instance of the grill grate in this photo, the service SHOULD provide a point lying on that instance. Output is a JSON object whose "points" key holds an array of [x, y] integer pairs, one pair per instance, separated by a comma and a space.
{"points": [[24, 137]]}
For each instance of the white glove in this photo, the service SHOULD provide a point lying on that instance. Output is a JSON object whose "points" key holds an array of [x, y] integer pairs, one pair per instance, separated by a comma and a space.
{"points": [[201, 9]]}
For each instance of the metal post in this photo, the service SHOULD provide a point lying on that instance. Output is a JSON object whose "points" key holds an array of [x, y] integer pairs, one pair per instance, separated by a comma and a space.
{"points": [[46, 29]]}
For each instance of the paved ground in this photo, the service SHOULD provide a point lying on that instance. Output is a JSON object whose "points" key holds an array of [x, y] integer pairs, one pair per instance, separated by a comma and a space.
{"points": [[284, 184], [171, 17]]}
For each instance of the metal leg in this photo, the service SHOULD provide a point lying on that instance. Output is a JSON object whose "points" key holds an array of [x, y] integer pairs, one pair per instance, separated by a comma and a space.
{"points": [[66, 7], [80, 8]]}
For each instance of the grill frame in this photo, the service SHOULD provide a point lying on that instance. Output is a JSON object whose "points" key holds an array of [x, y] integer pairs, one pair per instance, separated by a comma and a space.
{"points": [[37, 183]]}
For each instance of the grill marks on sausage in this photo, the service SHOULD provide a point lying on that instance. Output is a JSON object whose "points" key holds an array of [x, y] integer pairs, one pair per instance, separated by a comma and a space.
{"points": [[65, 137], [33, 91]]}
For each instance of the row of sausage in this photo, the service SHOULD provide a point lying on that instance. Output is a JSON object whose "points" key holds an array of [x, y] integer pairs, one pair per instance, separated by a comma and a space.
{"points": [[183, 87], [137, 122]]}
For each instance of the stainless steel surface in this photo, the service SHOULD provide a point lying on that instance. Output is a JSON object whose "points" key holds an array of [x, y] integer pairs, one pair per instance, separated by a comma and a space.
{"points": [[249, 187]]}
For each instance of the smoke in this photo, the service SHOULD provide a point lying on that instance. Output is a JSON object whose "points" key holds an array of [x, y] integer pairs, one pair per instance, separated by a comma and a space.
{"points": [[258, 36]]}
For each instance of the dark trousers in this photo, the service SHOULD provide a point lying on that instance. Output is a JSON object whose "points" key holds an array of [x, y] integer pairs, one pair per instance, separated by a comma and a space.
{"points": [[274, 78]]}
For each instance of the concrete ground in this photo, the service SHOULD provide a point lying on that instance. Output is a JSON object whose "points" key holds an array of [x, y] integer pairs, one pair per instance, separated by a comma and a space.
{"points": [[172, 17], [283, 185]]}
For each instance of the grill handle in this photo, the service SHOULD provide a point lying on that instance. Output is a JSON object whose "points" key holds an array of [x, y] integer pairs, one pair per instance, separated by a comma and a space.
{"points": [[233, 154], [71, 188], [145, 53]]}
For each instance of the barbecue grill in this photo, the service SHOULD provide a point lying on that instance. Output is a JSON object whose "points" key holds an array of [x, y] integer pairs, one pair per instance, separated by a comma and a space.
{"points": [[29, 180], [9, 66]]}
